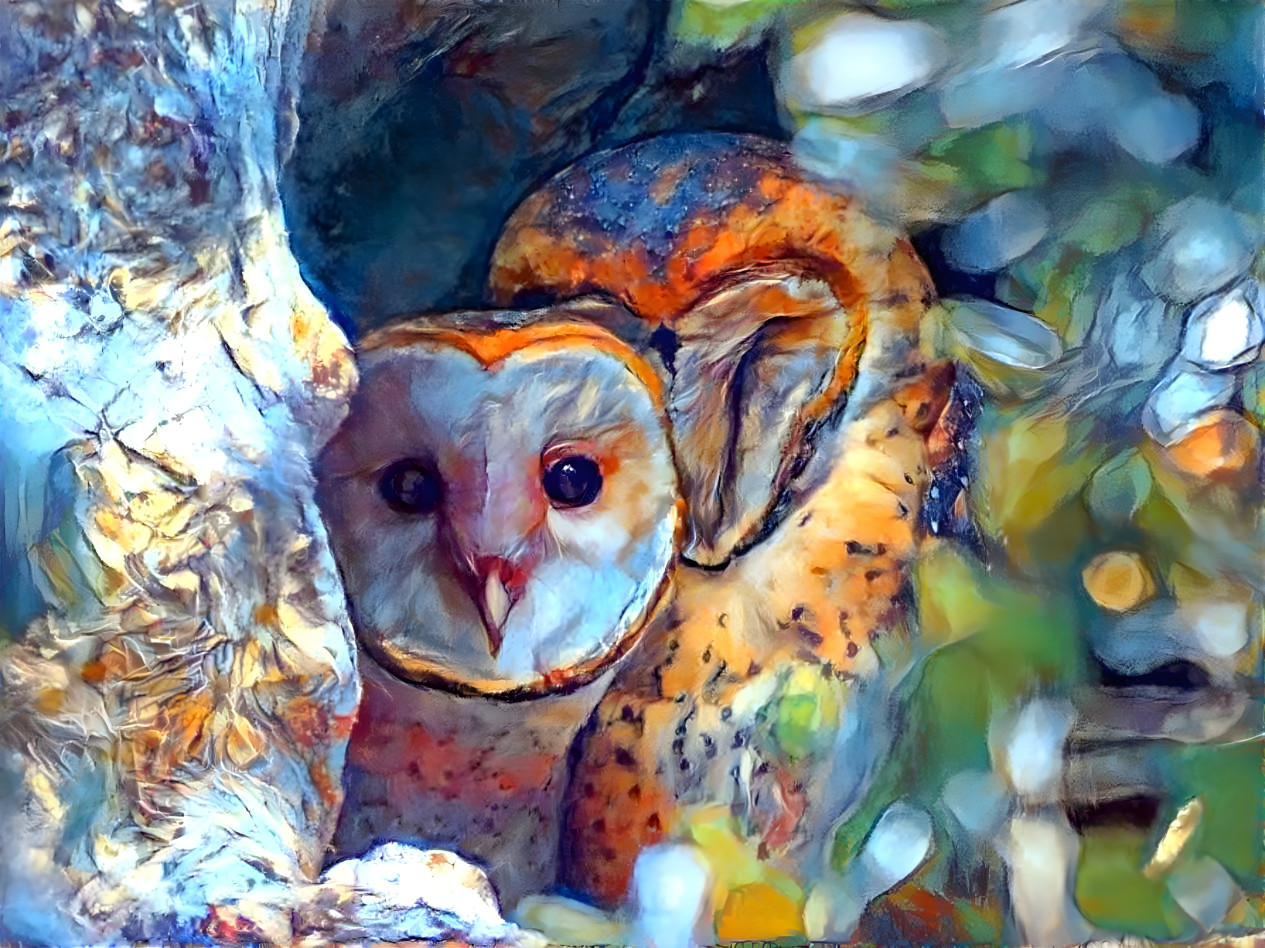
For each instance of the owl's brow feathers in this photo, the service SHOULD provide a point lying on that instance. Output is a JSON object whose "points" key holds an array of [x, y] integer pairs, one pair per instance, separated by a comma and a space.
{"points": [[492, 348]]}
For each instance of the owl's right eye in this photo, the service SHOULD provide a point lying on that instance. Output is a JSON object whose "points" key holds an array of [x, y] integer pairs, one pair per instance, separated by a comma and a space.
{"points": [[411, 487]]}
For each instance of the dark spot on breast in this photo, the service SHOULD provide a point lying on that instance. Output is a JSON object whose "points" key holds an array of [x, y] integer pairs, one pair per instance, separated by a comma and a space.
{"points": [[673, 645], [627, 713], [808, 635], [804, 520], [678, 746], [599, 825], [634, 793], [685, 764], [707, 655], [623, 758]]}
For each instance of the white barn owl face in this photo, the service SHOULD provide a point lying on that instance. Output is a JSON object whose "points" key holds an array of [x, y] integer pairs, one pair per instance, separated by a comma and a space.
{"points": [[502, 501]]}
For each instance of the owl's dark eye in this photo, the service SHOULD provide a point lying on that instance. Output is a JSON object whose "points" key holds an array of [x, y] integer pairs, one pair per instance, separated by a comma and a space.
{"points": [[411, 487], [573, 481]]}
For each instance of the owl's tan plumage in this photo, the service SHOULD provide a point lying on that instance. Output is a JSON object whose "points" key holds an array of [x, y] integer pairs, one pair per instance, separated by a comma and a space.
{"points": [[800, 404]]}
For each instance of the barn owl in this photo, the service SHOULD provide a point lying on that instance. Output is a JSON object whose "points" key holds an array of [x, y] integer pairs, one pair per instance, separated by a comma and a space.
{"points": [[504, 508], [786, 325]]}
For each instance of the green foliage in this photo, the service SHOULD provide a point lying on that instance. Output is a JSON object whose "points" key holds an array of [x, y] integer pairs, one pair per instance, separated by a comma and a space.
{"points": [[1112, 890], [985, 161], [719, 24], [803, 714]]}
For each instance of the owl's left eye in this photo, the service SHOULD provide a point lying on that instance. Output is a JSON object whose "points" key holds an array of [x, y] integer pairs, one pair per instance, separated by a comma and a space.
{"points": [[573, 481], [411, 487]]}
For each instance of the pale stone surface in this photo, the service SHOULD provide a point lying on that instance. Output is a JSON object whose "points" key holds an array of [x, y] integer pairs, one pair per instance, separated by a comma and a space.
{"points": [[858, 58], [1009, 336], [1040, 850], [1205, 890], [1228, 329], [978, 801], [1203, 246], [1028, 748], [998, 233], [671, 897], [1184, 394], [1017, 34], [899, 843]]}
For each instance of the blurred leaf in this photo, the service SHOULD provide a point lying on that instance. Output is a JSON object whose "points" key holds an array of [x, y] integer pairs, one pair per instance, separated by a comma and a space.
{"points": [[1228, 778], [761, 912], [1254, 394], [914, 7], [1005, 641], [798, 719], [1119, 488], [1106, 225], [1063, 274], [1031, 466], [734, 856], [805, 712], [953, 604], [985, 161], [723, 23], [1112, 891], [568, 922]]}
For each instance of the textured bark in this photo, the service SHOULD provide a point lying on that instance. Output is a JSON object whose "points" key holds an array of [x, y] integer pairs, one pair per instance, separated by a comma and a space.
{"points": [[180, 682]]}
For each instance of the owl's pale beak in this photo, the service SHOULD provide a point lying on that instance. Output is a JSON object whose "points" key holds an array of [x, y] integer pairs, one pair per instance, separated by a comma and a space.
{"points": [[494, 606], [498, 585]]}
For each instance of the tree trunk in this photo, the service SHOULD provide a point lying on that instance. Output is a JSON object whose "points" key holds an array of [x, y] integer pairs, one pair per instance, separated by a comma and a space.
{"points": [[180, 684]]}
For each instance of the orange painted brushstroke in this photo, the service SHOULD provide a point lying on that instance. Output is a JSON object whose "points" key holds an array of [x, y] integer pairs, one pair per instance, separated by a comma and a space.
{"points": [[491, 348]]}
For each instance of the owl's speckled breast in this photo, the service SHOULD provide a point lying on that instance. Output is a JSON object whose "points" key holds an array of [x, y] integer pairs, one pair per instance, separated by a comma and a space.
{"points": [[805, 624], [478, 775]]}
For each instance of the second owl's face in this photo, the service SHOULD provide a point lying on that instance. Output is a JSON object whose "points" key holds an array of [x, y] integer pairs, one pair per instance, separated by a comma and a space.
{"points": [[503, 507]]}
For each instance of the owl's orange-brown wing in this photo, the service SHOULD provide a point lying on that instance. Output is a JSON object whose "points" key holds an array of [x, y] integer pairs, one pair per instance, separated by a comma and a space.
{"points": [[722, 242], [827, 592]]}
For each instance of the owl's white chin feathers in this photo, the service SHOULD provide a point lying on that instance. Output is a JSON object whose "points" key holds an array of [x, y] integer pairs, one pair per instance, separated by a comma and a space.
{"points": [[571, 621]]}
